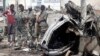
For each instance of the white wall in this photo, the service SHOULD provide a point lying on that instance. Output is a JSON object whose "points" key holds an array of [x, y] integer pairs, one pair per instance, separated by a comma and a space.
{"points": [[29, 3], [1, 3], [55, 6], [9, 2], [94, 3]]}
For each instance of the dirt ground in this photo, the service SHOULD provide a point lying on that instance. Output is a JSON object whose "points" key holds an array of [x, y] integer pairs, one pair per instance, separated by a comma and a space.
{"points": [[6, 51]]}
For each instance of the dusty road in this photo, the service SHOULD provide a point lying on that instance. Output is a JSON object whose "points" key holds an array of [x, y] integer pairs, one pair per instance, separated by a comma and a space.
{"points": [[6, 51]]}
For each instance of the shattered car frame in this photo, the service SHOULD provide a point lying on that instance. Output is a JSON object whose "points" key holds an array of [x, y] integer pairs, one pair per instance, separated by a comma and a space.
{"points": [[65, 34], [57, 40]]}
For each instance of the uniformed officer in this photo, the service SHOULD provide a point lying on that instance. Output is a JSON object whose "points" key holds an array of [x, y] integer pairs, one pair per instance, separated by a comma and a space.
{"points": [[22, 28], [42, 18], [31, 17]]}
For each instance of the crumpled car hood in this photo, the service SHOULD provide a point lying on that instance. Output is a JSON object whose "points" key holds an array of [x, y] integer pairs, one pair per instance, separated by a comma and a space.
{"points": [[56, 42]]}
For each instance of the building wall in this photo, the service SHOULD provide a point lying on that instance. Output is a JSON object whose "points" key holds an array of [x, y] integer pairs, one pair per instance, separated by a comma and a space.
{"points": [[8, 2], [28, 3], [94, 3], [54, 4]]}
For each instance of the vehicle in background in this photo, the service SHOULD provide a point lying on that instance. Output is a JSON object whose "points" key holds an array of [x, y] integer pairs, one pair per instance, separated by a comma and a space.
{"points": [[3, 25]]}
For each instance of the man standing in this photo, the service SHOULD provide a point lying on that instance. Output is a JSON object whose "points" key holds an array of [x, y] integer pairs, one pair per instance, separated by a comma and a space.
{"points": [[31, 19], [41, 20], [21, 26], [10, 13]]}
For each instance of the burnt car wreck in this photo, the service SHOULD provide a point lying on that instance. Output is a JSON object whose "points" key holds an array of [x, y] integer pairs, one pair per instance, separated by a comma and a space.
{"points": [[64, 35]]}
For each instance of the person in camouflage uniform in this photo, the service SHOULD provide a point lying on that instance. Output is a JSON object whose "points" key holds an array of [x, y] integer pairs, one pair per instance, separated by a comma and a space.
{"points": [[40, 26], [31, 17], [42, 18], [22, 28], [31, 23]]}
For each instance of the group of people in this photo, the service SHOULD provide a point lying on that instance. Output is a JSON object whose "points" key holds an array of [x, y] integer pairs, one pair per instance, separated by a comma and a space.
{"points": [[25, 26]]}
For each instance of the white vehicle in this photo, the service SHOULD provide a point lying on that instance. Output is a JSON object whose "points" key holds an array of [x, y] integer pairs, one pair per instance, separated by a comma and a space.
{"points": [[60, 37], [64, 35], [3, 24]]}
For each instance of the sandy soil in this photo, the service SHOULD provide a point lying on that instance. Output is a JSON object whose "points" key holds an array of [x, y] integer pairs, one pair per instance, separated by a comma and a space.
{"points": [[6, 51]]}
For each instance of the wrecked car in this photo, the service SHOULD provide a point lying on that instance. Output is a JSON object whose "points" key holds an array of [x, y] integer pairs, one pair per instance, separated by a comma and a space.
{"points": [[90, 31], [61, 36], [64, 35]]}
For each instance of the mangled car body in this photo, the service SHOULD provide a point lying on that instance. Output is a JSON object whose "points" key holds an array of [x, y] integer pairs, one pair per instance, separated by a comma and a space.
{"points": [[65, 34], [60, 37]]}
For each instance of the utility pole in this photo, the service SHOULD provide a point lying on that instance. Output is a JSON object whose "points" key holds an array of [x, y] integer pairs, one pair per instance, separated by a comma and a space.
{"points": [[60, 4], [16, 5], [83, 10], [4, 4], [25, 3], [83, 15]]}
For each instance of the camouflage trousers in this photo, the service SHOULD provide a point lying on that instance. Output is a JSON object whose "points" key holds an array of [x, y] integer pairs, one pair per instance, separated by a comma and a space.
{"points": [[22, 34], [42, 28]]}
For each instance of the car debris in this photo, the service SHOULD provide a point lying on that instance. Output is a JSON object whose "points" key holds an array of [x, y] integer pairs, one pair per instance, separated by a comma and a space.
{"points": [[65, 34]]}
